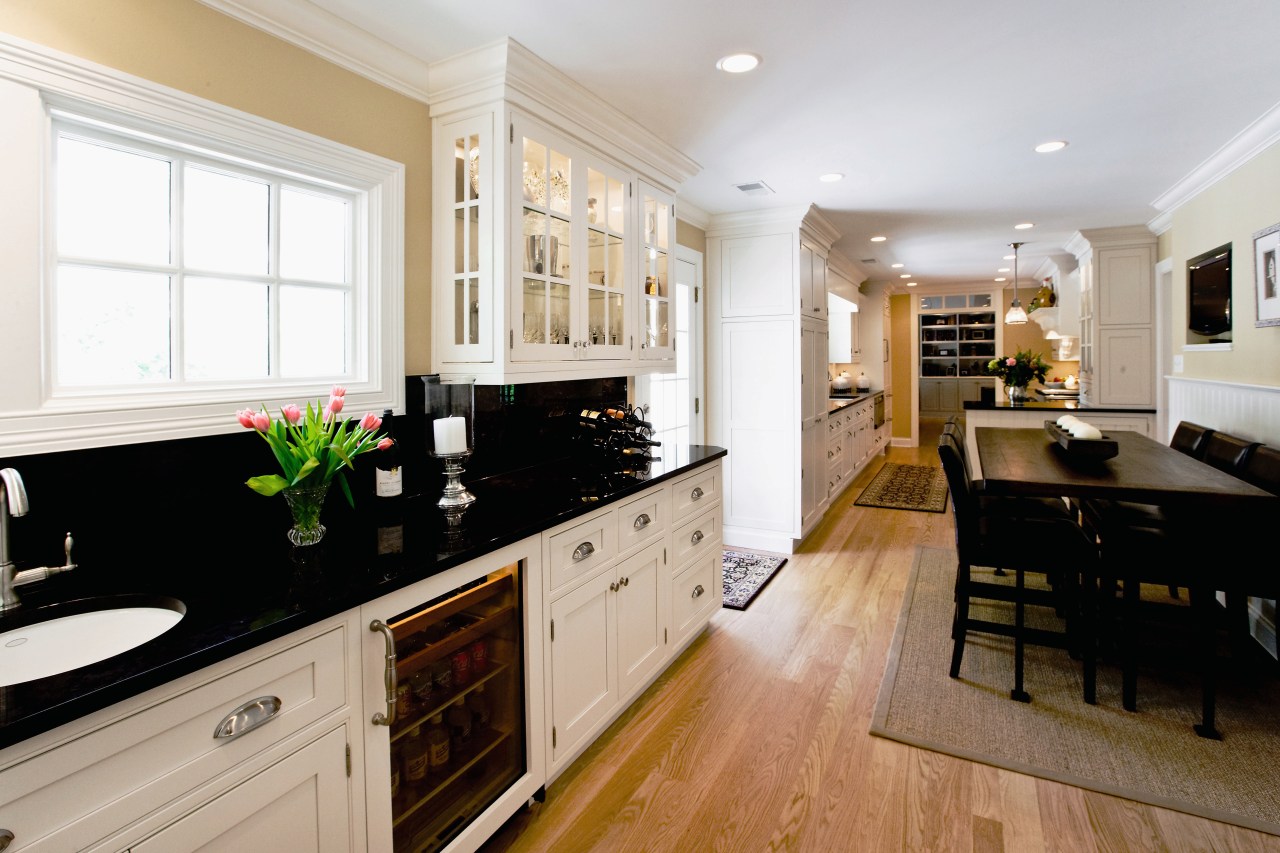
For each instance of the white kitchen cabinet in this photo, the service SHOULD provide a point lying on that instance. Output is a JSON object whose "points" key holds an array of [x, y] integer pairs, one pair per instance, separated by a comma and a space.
{"points": [[124, 773], [551, 211], [1117, 315], [306, 794], [770, 387]]}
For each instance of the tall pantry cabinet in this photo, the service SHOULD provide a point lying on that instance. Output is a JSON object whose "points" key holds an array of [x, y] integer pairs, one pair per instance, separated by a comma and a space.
{"points": [[767, 320], [1117, 315]]}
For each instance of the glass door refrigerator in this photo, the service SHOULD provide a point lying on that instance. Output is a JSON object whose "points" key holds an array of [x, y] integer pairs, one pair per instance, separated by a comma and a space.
{"points": [[449, 740]]}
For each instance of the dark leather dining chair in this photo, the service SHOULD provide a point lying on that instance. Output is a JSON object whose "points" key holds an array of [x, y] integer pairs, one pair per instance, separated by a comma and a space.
{"points": [[1253, 578], [1011, 505], [999, 541], [1228, 452], [1190, 438]]}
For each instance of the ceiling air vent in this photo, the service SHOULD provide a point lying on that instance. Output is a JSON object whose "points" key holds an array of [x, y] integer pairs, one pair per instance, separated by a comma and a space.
{"points": [[755, 188], [868, 261]]}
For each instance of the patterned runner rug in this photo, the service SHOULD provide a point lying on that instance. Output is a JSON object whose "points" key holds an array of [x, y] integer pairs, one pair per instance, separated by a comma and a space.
{"points": [[745, 574], [918, 487]]}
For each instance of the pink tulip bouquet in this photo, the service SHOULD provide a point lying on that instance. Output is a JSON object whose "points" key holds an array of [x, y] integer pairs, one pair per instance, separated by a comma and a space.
{"points": [[312, 447]]}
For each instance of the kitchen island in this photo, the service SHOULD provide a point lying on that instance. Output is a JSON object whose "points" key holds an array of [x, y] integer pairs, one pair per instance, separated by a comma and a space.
{"points": [[1002, 413]]}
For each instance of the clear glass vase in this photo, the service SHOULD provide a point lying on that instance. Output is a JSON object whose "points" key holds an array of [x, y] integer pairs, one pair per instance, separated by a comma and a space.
{"points": [[1017, 394], [305, 503]]}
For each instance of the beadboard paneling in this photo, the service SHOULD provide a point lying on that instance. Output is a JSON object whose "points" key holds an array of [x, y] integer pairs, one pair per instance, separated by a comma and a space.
{"points": [[1249, 411]]}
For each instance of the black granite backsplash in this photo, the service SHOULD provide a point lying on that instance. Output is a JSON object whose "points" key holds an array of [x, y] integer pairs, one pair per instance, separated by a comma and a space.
{"points": [[184, 491]]}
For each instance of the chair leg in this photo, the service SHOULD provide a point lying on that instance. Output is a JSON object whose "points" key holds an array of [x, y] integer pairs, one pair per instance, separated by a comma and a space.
{"points": [[1019, 643], [960, 619]]}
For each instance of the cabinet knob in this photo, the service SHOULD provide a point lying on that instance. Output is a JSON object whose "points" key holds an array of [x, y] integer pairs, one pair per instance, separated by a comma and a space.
{"points": [[697, 591], [696, 537], [613, 586], [586, 549], [624, 581], [642, 521], [6, 838], [696, 494]]}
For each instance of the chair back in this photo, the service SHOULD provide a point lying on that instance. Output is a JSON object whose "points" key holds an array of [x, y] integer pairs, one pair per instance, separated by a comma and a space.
{"points": [[1190, 439], [1228, 452], [964, 504], [1262, 469]]}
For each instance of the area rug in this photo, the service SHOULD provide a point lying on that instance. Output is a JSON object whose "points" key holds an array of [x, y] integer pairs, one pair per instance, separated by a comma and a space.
{"points": [[1151, 755], [918, 487], [745, 574]]}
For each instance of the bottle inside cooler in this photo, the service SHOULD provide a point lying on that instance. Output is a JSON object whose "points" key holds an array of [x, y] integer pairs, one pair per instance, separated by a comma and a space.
{"points": [[462, 712]]}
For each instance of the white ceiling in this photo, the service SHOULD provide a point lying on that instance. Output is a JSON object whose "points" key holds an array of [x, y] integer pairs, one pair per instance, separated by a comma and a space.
{"points": [[931, 108]]}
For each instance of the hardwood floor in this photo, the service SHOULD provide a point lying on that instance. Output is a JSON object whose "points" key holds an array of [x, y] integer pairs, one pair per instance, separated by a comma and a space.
{"points": [[757, 737]]}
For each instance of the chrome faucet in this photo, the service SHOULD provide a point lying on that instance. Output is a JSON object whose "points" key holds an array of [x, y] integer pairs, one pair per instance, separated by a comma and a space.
{"points": [[13, 502]]}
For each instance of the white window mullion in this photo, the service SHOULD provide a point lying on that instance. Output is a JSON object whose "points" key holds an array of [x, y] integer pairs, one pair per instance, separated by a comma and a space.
{"points": [[177, 348], [273, 285]]}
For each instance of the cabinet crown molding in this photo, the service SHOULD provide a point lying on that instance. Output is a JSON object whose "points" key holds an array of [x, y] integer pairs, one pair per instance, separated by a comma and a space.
{"points": [[507, 70], [1094, 238], [807, 219]]}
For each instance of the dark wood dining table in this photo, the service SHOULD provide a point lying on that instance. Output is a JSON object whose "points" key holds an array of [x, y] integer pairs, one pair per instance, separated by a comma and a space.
{"points": [[1029, 462]]}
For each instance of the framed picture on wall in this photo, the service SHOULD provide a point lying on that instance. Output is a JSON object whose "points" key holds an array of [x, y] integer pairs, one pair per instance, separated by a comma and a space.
{"points": [[1266, 263]]}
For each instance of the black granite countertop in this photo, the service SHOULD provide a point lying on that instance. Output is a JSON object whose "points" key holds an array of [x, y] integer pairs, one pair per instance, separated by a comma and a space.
{"points": [[1056, 405], [226, 557], [837, 402]]}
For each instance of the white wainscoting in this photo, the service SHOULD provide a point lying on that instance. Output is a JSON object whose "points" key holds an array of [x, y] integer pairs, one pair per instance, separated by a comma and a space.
{"points": [[1249, 411]]}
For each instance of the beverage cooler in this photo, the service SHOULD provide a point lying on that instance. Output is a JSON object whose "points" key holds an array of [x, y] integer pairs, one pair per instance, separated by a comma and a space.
{"points": [[449, 743]]}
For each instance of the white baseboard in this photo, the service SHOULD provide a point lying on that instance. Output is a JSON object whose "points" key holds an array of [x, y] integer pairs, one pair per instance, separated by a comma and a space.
{"points": [[749, 539]]}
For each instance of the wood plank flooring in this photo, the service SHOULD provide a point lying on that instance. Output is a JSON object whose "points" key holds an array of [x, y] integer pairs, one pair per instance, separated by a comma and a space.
{"points": [[756, 738]]}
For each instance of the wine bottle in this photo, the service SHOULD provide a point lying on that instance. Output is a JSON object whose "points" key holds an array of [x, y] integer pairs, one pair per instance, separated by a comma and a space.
{"points": [[387, 477]]}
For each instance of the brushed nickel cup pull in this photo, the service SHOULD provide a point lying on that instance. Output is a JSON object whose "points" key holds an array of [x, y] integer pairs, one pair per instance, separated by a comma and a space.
{"points": [[6, 838], [696, 494], [698, 590], [246, 718], [388, 674], [642, 520], [586, 549], [696, 537]]}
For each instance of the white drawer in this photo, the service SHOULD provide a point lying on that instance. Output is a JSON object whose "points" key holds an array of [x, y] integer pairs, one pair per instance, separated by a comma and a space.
{"points": [[695, 491], [694, 595], [701, 533], [576, 551], [89, 787], [641, 519]]}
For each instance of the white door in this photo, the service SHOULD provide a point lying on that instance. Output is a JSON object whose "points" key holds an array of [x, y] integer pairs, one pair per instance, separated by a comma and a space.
{"points": [[675, 400]]}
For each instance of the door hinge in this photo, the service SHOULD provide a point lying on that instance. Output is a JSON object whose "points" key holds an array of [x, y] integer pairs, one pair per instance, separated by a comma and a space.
{"points": [[512, 130], [348, 760], [664, 636], [664, 556], [553, 737], [513, 339], [696, 291], [697, 405], [553, 630], [673, 211], [633, 342], [630, 187]]}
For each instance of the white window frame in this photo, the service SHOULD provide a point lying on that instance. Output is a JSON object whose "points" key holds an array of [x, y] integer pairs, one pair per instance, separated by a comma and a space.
{"points": [[36, 83]]}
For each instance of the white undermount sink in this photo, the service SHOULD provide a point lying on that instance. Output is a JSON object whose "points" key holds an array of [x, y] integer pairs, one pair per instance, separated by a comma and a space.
{"points": [[45, 641]]}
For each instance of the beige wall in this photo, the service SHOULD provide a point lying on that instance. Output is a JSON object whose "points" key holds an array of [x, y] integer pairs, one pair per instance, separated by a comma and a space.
{"points": [[900, 325], [187, 46], [1246, 201], [691, 236]]}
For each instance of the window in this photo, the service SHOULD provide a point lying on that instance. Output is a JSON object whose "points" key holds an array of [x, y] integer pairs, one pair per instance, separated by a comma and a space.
{"points": [[178, 269], [168, 260]]}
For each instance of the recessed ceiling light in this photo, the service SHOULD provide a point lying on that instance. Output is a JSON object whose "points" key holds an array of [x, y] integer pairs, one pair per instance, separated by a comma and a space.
{"points": [[878, 239], [1003, 269], [831, 177], [1048, 147], [905, 275], [736, 63], [1023, 226], [1007, 258], [912, 283], [897, 266], [1002, 278]]}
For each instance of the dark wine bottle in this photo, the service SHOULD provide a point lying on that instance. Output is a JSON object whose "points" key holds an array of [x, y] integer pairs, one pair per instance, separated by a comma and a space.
{"points": [[388, 482]]}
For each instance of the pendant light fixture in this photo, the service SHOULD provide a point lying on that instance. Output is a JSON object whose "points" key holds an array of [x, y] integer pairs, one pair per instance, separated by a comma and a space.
{"points": [[1016, 315]]}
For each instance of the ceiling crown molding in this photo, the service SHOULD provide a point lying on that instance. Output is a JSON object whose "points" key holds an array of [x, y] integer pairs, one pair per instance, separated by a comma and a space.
{"points": [[333, 39], [691, 213], [1242, 148]]}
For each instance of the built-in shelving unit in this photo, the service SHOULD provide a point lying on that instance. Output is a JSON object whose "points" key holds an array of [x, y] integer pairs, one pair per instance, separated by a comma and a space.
{"points": [[957, 334]]}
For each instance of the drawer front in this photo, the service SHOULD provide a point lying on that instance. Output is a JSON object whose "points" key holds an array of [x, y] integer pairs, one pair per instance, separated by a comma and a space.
{"points": [[696, 491], [81, 791], [695, 593], [642, 519], [578, 550], [696, 536]]}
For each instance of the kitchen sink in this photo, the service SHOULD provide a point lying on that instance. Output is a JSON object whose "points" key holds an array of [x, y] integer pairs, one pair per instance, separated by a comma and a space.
{"points": [[43, 641]]}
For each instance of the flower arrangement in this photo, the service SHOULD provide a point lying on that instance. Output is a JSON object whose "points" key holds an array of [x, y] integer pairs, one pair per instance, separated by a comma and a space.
{"points": [[312, 447], [1018, 369]]}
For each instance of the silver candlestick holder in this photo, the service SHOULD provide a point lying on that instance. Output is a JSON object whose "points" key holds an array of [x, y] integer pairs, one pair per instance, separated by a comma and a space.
{"points": [[455, 494]]}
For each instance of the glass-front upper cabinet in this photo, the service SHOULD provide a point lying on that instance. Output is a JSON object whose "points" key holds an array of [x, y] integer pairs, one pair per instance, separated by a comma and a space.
{"points": [[544, 306], [463, 301], [609, 272], [657, 212]]}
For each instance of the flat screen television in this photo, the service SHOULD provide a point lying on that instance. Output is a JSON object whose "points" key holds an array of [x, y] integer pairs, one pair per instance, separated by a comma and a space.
{"points": [[1209, 292]]}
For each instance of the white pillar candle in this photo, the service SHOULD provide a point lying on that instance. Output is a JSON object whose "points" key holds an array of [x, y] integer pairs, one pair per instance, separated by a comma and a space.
{"points": [[1084, 430], [1067, 420], [451, 435]]}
